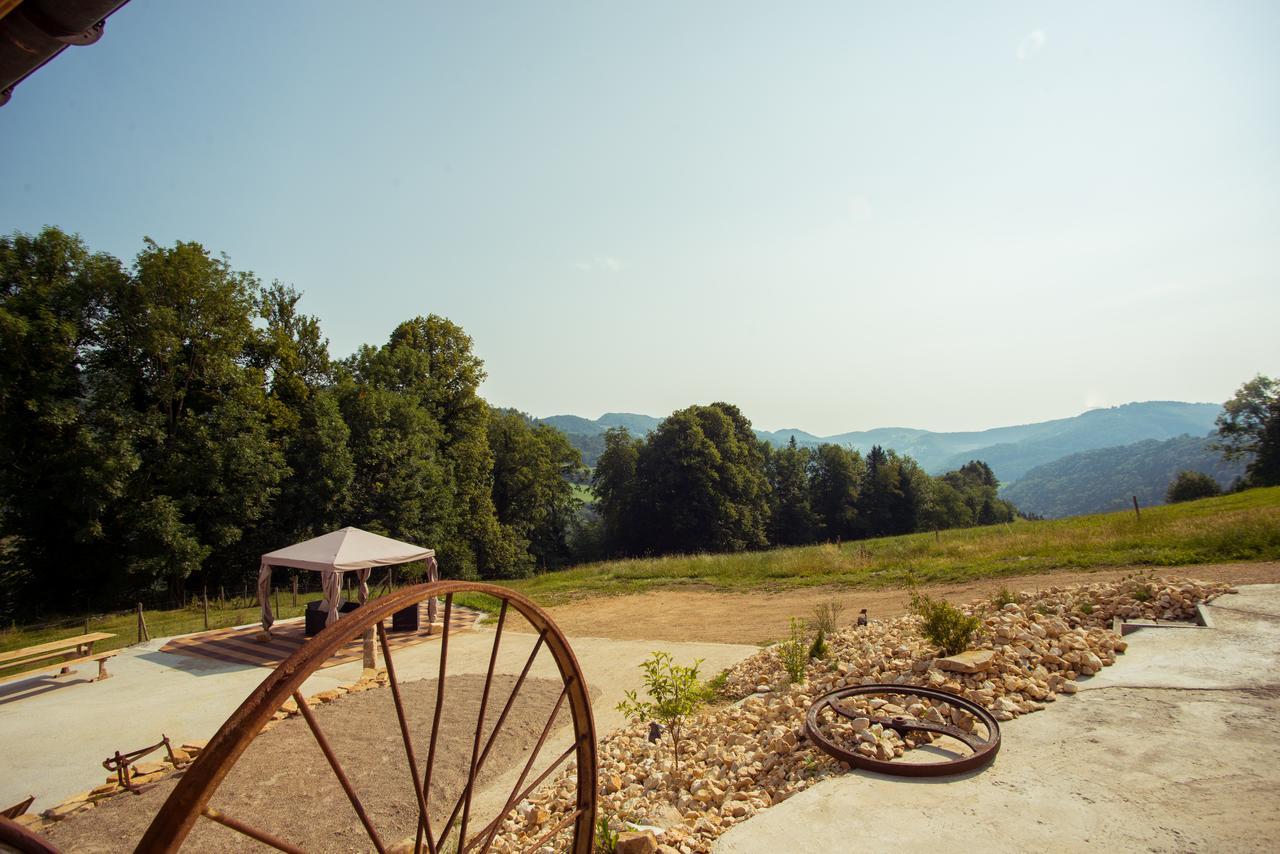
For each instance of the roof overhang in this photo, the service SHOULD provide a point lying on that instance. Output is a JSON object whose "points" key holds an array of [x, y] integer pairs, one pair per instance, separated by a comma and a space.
{"points": [[32, 32]]}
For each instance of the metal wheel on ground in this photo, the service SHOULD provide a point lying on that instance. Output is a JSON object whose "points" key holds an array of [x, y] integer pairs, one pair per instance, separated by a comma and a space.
{"points": [[966, 741], [195, 794]]}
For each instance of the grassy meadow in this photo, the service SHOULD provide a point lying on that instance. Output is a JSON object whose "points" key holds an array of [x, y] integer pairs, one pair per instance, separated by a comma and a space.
{"points": [[1244, 526], [1239, 527]]}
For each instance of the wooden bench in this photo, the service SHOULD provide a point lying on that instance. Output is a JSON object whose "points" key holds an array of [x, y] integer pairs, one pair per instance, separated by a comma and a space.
{"points": [[65, 654]]}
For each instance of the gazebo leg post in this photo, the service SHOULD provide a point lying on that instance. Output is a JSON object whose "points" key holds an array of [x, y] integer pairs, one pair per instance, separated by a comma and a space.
{"points": [[370, 651]]}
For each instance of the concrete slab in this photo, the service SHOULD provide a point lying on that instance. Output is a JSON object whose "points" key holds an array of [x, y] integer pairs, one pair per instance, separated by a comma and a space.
{"points": [[1174, 748], [54, 734]]}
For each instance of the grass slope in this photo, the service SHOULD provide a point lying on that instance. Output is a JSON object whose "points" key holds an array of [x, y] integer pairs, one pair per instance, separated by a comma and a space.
{"points": [[1240, 527]]}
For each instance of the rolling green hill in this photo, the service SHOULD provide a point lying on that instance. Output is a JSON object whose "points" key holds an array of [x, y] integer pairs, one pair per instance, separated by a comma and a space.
{"points": [[1106, 479]]}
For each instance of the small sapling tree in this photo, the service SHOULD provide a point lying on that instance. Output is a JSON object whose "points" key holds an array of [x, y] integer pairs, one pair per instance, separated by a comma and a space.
{"points": [[675, 693], [794, 651]]}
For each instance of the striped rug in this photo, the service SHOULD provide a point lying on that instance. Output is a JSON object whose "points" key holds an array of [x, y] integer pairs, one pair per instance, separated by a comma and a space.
{"points": [[246, 645]]}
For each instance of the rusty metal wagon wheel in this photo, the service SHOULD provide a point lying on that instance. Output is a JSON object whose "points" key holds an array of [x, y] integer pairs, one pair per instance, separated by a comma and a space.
{"points": [[190, 799], [981, 748], [15, 837]]}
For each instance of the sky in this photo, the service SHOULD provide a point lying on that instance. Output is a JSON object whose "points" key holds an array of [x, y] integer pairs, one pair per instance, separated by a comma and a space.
{"points": [[836, 216]]}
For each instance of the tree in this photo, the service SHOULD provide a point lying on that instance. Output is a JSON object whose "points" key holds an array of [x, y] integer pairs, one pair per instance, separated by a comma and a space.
{"points": [[59, 473], [835, 477], [1190, 485], [1249, 428], [675, 693], [173, 375], [429, 360], [701, 482], [531, 490], [791, 520], [614, 483]]}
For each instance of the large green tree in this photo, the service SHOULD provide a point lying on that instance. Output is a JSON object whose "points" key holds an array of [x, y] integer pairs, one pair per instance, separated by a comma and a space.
{"points": [[174, 369], [1249, 428], [532, 494], [702, 483], [835, 479], [429, 360], [59, 473]]}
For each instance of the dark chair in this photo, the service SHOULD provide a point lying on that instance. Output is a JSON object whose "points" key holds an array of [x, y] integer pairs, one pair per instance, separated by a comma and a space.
{"points": [[406, 619], [315, 618]]}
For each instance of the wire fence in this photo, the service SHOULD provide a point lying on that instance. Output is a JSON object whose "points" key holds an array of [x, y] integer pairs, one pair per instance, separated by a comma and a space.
{"points": [[215, 609]]}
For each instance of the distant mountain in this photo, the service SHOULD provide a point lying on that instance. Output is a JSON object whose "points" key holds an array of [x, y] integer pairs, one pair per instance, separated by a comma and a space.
{"points": [[1010, 451], [639, 425], [588, 436], [1106, 479]]}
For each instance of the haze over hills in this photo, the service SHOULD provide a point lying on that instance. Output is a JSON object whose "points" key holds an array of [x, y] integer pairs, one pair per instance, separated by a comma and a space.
{"points": [[1010, 451], [1107, 479]]}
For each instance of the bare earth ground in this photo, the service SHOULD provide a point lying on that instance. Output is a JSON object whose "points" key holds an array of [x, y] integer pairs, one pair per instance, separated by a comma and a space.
{"points": [[283, 784], [718, 616]]}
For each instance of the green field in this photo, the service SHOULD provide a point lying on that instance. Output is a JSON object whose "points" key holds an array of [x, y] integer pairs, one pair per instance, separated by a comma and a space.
{"points": [[1240, 527]]}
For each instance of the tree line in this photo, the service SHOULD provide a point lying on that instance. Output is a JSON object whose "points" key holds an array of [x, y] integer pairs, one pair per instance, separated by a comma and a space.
{"points": [[702, 481], [163, 424]]}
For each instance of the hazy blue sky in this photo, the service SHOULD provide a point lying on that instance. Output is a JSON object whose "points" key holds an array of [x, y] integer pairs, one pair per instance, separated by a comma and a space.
{"points": [[837, 216]]}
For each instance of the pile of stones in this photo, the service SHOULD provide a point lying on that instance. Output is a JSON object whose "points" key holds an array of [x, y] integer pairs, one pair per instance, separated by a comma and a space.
{"points": [[750, 753]]}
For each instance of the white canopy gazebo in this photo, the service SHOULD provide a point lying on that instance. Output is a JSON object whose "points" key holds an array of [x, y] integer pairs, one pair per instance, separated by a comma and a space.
{"points": [[331, 555]]}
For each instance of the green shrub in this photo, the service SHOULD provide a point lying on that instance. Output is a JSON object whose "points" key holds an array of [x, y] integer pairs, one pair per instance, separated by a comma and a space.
{"points": [[606, 839], [818, 649], [794, 652], [1004, 597], [1044, 610], [945, 625], [1085, 607], [1143, 592], [1190, 485]]}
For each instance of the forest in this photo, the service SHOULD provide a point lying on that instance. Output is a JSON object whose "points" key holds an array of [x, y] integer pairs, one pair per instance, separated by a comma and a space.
{"points": [[702, 481], [164, 423]]}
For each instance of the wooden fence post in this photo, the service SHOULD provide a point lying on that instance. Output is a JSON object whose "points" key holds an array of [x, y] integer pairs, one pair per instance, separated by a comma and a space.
{"points": [[205, 597], [143, 634], [295, 591], [276, 592], [1136, 511]]}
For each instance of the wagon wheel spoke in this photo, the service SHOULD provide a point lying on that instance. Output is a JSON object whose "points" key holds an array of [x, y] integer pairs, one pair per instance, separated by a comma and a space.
{"points": [[338, 770], [550, 834], [424, 821], [250, 831], [464, 800], [404, 724], [516, 794], [497, 727]]}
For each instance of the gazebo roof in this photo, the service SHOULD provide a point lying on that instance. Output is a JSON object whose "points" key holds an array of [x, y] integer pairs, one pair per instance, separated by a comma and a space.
{"points": [[348, 548]]}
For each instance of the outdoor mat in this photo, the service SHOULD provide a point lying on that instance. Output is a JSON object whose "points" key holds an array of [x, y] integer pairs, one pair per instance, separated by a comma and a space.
{"points": [[242, 645]]}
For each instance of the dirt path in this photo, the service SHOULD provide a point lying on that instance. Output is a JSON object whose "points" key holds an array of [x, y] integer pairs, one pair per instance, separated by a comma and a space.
{"points": [[719, 616]]}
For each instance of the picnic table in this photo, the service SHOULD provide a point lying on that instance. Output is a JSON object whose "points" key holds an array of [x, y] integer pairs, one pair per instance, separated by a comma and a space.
{"points": [[60, 655]]}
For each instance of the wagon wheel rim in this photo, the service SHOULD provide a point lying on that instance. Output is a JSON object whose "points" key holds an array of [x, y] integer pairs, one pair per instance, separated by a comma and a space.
{"points": [[190, 799], [984, 749]]}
